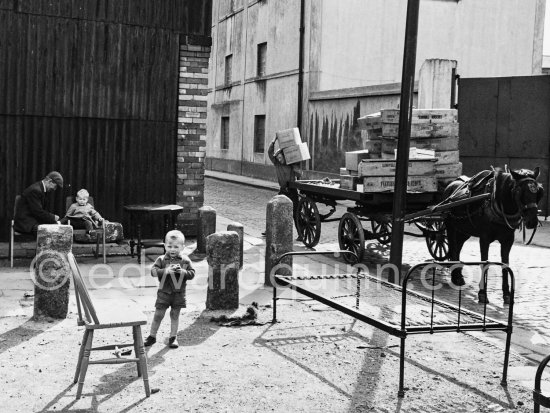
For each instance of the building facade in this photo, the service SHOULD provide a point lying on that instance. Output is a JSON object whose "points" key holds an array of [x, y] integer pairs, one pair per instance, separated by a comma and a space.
{"points": [[321, 64]]}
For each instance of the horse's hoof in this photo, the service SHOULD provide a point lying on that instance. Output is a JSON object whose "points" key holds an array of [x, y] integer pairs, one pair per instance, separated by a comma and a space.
{"points": [[458, 280], [482, 296], [506, 299]]}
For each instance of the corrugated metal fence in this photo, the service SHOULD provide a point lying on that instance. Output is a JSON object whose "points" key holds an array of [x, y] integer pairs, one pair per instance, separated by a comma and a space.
{"points": [[89, 88], [504, 121]]}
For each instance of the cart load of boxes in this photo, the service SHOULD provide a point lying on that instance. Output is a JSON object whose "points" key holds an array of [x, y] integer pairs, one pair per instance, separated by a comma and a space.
{"points": [[290, 142], [433, 153]]}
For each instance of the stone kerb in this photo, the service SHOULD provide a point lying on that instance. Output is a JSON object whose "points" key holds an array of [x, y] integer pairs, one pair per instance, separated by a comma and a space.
{"points": [[206, 226], [52, 273], [222, 255], [279, 227], [239, 229]]}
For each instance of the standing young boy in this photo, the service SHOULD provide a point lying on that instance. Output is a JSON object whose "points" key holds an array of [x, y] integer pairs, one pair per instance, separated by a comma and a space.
{"points": [[173, 269]]}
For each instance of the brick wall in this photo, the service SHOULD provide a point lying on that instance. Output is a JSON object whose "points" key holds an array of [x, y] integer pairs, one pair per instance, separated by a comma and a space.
{"points": [[193, 83]]}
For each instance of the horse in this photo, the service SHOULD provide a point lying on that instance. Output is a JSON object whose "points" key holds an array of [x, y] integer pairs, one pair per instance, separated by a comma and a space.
{"points": [[513, 201]]}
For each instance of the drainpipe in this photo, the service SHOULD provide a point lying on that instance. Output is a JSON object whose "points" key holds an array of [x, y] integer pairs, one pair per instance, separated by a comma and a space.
{"points": [[301, 67]]}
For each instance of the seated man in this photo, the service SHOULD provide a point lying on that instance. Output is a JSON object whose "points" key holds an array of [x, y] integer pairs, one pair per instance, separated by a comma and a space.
{"points": [[31, 212]]}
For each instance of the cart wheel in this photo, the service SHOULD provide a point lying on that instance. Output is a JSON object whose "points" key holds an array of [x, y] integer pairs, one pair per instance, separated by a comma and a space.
{"points": [[351, 237], [436, 239], [308, 222], [382, 231]]}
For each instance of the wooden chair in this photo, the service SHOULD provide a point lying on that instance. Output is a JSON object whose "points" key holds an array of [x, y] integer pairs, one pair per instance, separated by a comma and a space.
{"points": [[16, 236], [88, 317], [100, 232]]}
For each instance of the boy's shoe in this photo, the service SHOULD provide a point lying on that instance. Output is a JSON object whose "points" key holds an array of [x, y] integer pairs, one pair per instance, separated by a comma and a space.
{"points": [[149, 341], [173, 342]]}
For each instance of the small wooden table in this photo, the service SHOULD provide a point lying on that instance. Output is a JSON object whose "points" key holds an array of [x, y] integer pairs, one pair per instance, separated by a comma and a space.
{"points": [[138, 212]]}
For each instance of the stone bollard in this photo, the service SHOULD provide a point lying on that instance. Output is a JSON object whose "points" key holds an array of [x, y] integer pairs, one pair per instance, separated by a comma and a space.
{"points": [[51, 271], [207, 226], [279, 227], [222, 255], [239, 229]]}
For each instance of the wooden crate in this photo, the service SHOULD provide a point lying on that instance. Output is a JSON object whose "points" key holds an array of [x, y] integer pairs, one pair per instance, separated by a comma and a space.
{"points": [[447, 157], [387, 183], [370, 122], [421, 115], [448, 171], [437, 144], [381, 167], [374, 146], [423, 130], [348, 182], [354, 157]]}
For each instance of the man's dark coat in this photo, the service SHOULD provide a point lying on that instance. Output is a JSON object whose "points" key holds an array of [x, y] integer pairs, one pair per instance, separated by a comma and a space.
{"points": [[31, 212]]}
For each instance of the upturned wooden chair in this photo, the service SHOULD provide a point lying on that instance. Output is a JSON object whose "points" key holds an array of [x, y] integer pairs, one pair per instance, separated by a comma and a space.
{"points": [[88, 317], [100, 232]]}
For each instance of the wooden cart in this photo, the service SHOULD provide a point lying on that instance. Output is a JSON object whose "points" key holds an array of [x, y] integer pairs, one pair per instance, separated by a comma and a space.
{"points": [[373, 207]]}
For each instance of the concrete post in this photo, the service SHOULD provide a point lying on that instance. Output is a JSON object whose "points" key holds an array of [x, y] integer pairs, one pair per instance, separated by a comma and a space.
{"points": [[434, 84], [207, 226], [222, 255], [239, 229], [52, 274], [279, 224]]}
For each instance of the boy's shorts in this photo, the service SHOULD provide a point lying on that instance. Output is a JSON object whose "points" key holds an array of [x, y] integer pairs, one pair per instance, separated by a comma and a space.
{"points": [[176, 299]]}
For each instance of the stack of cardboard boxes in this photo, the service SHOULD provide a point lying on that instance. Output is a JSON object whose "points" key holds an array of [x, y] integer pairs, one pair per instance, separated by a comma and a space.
{"points": [[434, 135], [294, 149]]}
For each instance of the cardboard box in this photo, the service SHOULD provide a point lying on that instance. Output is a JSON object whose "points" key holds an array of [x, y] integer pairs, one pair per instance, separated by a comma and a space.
{"points": [[381, 167], [354, 157], [288, 137], [386, 184], [296, 153]]}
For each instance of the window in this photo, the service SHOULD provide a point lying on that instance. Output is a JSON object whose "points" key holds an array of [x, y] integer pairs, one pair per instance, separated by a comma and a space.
{"points": [[225, 132], [262, 56], [259, 133], [228, 68]]}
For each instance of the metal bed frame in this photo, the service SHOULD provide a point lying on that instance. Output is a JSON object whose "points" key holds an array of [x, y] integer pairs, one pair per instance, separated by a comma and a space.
{"points": [[484, 324], [539, 398]]}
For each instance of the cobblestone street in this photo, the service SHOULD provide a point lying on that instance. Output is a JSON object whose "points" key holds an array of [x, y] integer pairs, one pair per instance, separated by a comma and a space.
{"points": [[530, 264]]}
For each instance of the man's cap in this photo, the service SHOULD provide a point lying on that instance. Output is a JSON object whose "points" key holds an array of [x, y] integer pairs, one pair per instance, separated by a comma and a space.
{"points": [[56, 177]]}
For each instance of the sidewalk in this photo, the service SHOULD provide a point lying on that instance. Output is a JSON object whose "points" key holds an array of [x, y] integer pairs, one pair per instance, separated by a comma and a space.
{"points": [[313, 360]]}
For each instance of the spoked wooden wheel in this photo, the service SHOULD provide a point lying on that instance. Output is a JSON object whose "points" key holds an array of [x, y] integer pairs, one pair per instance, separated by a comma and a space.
{"points": [[308, 222], [436, 239], [351, 237], [382, 231]]}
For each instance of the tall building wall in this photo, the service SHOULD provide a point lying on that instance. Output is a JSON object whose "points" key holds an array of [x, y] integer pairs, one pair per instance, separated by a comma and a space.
{"points": [[352, 65]]}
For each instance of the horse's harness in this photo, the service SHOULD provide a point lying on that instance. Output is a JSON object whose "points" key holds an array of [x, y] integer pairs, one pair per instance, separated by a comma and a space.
{"points": [[513, 221], [486, 181]]}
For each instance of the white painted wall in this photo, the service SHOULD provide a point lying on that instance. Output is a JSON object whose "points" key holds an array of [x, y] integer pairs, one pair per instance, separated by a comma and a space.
{"points": [[362, 41]]}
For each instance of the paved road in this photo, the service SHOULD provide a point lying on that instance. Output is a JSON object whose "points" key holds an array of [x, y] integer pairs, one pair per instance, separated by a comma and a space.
{"points": [[531, 264]]}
